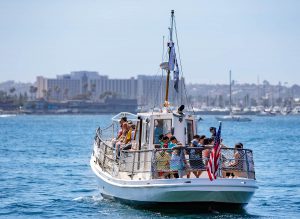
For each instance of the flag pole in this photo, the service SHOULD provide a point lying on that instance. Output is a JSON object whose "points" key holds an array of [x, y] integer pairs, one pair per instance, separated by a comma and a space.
{"points": [[219, 172]]}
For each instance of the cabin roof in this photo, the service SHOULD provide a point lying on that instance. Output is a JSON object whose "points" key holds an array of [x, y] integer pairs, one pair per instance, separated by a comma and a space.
{"points": [[164, 114]]}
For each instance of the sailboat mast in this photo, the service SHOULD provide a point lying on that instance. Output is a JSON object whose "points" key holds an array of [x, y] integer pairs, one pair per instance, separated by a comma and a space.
{"points": [[230, 109], [166, 104]]}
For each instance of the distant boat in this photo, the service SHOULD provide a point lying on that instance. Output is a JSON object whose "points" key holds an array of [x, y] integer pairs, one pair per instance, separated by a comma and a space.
{"points": [[266, 113], [231, 116], [296, 110], [234, 118], [285, 111]]}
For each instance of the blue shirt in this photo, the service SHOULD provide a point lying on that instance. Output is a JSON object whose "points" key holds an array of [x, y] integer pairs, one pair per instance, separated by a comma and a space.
{"points": [[192, 153]]}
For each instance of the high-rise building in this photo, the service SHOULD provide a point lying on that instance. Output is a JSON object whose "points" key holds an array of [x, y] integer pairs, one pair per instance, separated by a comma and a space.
{"points": [[57, 89], [148, 90]]}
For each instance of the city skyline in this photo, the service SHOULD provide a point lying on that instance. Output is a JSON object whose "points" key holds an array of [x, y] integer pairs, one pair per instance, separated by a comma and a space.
{"points": [[124, 39], [261, 82], [91, 89]]}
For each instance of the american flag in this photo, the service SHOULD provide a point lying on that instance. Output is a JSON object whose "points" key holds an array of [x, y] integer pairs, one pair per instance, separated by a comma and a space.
{"points": [[213, 163]]}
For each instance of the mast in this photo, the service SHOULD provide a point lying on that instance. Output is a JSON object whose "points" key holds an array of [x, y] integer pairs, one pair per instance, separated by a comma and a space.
{"points": [[166, 104], [230, 92], [162, 70]]}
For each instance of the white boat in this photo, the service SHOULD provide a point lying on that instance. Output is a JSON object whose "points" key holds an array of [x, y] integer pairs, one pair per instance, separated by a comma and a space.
{"points": [[296, 110], [266, 113], [232, 117], [145, 176]]}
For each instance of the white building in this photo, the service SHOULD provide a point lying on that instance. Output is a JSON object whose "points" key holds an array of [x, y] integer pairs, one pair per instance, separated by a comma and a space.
{"points": [[148, 90], [57, 89]]}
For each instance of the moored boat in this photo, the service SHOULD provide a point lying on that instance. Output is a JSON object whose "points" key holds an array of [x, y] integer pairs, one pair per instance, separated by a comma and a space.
{"points": [[266, 113], [144, 172], [232, 117]]}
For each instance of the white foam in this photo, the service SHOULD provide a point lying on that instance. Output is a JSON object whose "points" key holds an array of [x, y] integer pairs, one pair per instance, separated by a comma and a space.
{"points": [[7, 115], [93, 198]]}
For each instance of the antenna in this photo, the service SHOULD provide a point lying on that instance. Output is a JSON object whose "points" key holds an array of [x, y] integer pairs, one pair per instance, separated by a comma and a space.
{"points": [[162, 70], [230, 109]]}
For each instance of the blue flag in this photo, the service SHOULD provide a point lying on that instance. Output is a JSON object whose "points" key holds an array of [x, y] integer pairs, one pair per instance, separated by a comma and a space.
{"points": [[176, 76], [172, 56]]}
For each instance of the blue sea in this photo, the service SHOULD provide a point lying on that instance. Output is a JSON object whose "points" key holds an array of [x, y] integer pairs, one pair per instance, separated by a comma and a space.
{"points": [[45, 172]]}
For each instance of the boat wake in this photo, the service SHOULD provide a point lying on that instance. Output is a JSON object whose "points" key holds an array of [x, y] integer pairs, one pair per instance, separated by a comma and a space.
{"points": [[94, 198]]}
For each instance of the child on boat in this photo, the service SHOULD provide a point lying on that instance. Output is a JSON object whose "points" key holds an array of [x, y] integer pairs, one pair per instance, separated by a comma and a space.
{"points": [[177, 162]]}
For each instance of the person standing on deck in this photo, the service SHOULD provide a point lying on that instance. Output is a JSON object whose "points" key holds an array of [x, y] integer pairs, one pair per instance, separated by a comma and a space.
{"points": [[195, 155]]}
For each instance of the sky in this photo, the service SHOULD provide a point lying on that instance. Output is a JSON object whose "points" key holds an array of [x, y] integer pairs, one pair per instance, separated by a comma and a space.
{"points": [[256, 39]]}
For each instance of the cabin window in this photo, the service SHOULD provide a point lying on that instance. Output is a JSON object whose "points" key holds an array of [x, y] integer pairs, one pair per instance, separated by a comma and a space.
{"points": [[161, 126], [190, 131]]}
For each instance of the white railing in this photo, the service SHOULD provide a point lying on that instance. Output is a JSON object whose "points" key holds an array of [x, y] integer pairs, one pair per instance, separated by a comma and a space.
{"points": [[171, 163]]}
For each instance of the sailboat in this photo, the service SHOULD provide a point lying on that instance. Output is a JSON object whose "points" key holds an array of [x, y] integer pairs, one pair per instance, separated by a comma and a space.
{"points": [[231, 116], [145, 173]]}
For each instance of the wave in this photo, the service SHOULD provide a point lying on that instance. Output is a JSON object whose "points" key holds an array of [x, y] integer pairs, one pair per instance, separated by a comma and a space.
{"points": [[94, 198], [7, 115]]}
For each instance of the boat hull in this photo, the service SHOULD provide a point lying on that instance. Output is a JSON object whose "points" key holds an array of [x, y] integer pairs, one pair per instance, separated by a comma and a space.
{"points": [[183, 206], [173, 192]]}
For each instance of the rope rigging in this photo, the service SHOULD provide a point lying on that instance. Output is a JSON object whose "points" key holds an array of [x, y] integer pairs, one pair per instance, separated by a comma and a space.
{"points": [[181, 70], [178, 96]]}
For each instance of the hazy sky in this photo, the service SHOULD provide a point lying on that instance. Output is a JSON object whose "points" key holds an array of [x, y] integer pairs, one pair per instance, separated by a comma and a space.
{"points": [[122, 39]]}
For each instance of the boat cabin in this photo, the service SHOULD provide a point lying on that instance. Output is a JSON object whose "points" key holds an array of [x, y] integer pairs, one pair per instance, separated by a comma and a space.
{"points": [[176, 124], [150, 126]]}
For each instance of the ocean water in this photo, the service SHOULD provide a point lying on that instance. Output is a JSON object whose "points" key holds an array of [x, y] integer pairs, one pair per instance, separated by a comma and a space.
{"points": [[45, 173]]}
